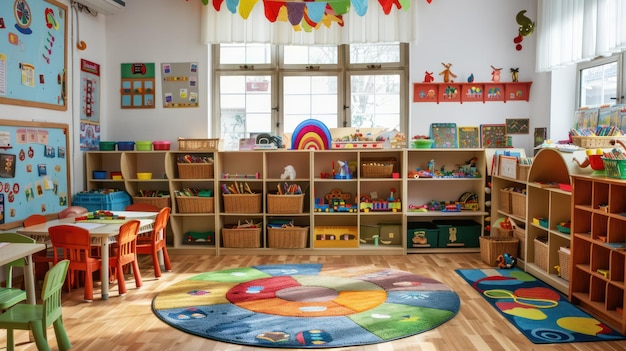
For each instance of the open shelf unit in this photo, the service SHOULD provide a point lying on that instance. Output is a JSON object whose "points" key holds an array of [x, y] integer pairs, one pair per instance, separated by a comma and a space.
{"points": [[598, 256], [471, 92]]}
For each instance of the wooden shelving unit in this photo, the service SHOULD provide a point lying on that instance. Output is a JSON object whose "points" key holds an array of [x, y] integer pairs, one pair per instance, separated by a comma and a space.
{"points": [[471, 92], [598, 261]]}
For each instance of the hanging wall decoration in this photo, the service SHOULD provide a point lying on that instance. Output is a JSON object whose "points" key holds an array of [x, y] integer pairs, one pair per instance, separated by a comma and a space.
{"points": [[526, 28], [307, 15], [179, 84]]}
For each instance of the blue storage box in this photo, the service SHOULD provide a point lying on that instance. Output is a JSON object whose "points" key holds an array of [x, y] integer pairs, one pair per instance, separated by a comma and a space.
{"points": [[101, 200], [125, 145], [458, 233], [422, 235]]}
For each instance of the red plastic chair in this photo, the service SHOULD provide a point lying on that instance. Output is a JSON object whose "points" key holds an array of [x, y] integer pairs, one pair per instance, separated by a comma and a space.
{"points": [[155, 241], [75, 244], [41, 259], [125, 252], [72, 211], [142, 207]]}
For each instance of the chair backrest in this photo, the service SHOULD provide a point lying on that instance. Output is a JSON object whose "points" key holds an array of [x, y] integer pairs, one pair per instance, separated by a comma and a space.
{"points": [[72, 211], [126, 243], [160, 223], [73, 241], [142, 207], [34, 219], [51, 291]]}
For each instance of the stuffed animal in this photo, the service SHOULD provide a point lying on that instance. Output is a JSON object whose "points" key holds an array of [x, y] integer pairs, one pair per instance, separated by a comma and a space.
{"points": [[290, 173], [506, 261]]}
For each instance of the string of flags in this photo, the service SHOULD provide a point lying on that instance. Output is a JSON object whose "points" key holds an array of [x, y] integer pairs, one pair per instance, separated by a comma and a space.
{"points": [[306, 15]]}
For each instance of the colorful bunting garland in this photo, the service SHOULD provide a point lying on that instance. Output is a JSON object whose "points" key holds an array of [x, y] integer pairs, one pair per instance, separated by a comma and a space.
{"points": [[306, 15]]}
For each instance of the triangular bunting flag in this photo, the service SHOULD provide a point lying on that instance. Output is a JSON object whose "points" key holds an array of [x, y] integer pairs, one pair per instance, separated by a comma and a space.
{"points": [[405, 4], [217, 4], [387, 4], [232, 5], [272, 8], [245, 7], [360, 7], [340, 7], [295, 11], [315, 11]]}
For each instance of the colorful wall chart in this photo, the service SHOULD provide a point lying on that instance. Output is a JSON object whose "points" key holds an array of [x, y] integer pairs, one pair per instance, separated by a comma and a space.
{"points": [[89, 105], [179, 84], [137, 85], [34, 166], [33, 61]]}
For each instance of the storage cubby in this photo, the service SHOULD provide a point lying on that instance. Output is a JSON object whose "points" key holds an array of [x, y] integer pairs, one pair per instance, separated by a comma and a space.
{"points": [[597, 282], [471, 92]]}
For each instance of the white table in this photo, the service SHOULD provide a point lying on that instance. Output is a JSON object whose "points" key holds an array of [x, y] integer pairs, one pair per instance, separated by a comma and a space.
{"points": [[10, 252], [101, 234]]}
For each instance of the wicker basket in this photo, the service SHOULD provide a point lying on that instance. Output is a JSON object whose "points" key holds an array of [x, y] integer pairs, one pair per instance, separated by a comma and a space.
{"points": [[195, 170], [195, 204], [241, 237], [594, 142], [518, 204], [541, 254], [198, 144], [564, 263], [377, 168], [284, 203], [158, 201], [505, 200], [242, 203], [493, 246], [522, 172], [287, 238], [520, 234]]}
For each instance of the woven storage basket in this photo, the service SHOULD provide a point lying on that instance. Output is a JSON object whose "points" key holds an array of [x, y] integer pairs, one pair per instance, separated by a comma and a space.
{"points": [[522, 172], [520, 234], [284, 203], [242, 203], [195, 204], [287, 238], [158, 201], [518, 204], [195, 170], [197, 144], [377, 168], [541, 254], [493, 246], [241, 237], [505, 200], [564, 263]]}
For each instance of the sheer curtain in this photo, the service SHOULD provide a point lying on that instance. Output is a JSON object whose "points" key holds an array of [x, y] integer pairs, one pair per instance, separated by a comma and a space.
{"points": [[571, 31], [373, 27]]}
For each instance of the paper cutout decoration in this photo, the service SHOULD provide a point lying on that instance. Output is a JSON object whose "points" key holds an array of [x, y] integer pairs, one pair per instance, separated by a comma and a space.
{"points": [[311, 134]]}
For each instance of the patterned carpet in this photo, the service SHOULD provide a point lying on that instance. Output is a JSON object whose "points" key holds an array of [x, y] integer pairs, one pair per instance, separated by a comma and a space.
{"points": [[306, 305]]}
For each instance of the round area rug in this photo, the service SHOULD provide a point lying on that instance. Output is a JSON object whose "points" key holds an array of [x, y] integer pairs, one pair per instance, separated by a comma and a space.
{"points": [[306, 305]]}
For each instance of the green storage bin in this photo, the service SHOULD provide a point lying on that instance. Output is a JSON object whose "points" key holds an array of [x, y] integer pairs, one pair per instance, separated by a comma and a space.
{"points": [[422, 235], [458, 233], [390, 233], [367, 232]]}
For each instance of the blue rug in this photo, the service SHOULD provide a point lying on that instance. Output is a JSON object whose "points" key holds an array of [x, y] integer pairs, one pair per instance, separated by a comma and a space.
{"points": [[541, 313], [306, 305]]}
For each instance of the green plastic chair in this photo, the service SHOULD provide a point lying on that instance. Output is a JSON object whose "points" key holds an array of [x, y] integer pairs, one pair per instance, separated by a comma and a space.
{"points": [[37, 318], [10, 296]]}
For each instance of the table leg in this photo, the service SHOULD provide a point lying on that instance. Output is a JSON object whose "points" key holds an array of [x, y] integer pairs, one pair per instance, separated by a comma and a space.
{"points": [[29, 280], [104, 269]]}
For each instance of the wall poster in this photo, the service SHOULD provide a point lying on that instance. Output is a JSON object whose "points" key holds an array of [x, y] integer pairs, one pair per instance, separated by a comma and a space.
{"points": [[180, 84], [137, 85], [33, 53], [89, 105]]}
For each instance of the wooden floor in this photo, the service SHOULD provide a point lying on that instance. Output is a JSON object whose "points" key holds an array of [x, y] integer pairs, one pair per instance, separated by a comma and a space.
{"points": [[127, 323]]}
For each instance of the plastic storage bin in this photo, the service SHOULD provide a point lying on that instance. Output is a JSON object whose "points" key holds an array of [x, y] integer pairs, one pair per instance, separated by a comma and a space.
{"points": [[422, 235], [107, 146], [144, 145], [161, 145], [458, 233], [94, 201], [126, 145]]}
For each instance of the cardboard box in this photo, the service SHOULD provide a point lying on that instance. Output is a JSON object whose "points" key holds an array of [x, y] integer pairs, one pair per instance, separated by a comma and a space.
{"points": [[336, 237]]}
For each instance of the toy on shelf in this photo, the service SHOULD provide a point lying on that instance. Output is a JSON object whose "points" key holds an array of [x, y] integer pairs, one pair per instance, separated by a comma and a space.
{"points": [[495, 74], [289, 173], [371, 202], [337, 202], [447, 73], [344, 170], [515, 74], [428, 77]]}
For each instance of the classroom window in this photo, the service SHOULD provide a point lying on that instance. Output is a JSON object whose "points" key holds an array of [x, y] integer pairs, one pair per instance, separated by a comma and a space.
{"points": [[599, 82], [271, 89]]}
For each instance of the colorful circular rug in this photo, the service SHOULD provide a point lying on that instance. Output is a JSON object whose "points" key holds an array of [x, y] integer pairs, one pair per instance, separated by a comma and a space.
{"points": [[306, 305]]}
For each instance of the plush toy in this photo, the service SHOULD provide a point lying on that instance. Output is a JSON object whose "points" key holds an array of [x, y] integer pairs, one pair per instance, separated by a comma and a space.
{"points": [[506, 261], [447, 73], [290, 173], [495, 74]]}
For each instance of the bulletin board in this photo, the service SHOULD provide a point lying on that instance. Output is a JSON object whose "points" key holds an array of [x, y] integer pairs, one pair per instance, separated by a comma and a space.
{"points": [[34, 166], [33, 53], [137, 85], [180, 84]]}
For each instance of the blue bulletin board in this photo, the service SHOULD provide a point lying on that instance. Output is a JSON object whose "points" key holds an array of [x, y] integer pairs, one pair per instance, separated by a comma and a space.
{"points": [[33, 53], [34, 166]]}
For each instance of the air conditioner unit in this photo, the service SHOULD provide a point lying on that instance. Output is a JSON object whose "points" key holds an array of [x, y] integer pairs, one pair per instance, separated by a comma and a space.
{"points": [[105, 7]]}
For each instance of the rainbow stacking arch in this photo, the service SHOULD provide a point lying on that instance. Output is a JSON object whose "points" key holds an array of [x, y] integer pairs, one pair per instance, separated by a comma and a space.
{"points": [[311, 134]]}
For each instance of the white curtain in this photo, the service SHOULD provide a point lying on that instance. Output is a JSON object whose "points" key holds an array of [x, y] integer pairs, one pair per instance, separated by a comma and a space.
{"points": [[374, 27], [571, 31]]}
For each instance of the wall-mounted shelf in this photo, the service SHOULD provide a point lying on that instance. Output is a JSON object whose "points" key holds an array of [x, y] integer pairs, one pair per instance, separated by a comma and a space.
{"points": [[471, 92]]}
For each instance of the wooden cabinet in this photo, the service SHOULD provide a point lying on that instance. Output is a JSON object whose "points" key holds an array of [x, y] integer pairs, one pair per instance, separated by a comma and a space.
{"points": [[420, 191], [471, 92], [598, 259]]}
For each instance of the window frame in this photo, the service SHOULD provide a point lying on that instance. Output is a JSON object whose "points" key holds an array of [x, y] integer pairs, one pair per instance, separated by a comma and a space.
{"points": [[621, 70]]}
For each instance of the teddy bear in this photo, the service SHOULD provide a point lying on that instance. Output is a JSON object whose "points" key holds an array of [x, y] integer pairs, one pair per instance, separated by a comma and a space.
{"points": [[289, 173]]}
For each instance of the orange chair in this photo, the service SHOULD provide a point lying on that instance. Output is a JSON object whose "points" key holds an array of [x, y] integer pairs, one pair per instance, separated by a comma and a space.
{"points": [[142, 207], [75, 244], [124, 252], [72, 211], [41, 259], [155, 241]]}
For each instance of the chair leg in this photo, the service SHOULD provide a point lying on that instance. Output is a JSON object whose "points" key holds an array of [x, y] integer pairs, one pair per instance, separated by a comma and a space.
{"points": [[88, 287], [40, 337], [121, 282], [137, 274], [9, 277], [166, 260], [155, 262], [59, 331], [10, 340]]}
